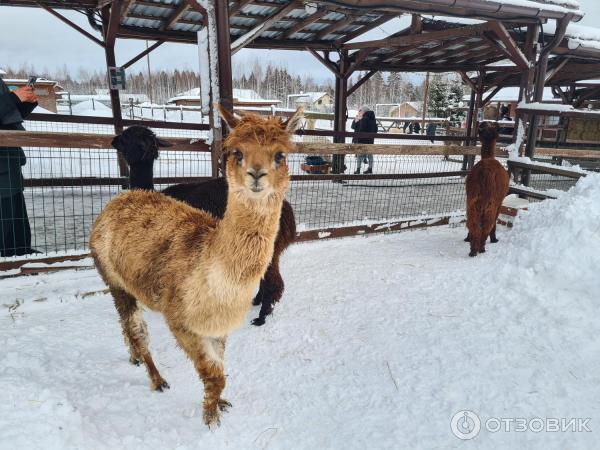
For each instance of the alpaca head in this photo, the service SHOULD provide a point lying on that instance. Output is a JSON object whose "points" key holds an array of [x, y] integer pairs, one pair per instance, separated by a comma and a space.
{"points": [[257, 148], [488, 132], [139, 144]]}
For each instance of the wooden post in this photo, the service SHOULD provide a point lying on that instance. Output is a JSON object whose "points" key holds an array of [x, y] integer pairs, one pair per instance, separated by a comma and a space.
{"points": [[341, 109], [225, 81], [110, 17], [215, 62], [538, 95]]}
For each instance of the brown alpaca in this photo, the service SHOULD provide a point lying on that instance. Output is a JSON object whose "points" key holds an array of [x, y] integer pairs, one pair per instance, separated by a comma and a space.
{"points": [[487, 185], [198, 271]]}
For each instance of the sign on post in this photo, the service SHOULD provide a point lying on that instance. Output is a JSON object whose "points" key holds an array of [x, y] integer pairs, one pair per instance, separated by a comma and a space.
{"points": [[116, 78]]}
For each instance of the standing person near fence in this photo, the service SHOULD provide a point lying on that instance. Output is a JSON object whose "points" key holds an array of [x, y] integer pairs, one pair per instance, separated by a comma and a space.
{"points": [[364, 122], [15, 232]]}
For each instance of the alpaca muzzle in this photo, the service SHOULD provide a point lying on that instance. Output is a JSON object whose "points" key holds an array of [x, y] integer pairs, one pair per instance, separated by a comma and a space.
{"points": [[255, 176]]}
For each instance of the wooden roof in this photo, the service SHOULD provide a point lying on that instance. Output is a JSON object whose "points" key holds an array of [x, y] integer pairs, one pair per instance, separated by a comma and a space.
{"points": [[291, 24]]}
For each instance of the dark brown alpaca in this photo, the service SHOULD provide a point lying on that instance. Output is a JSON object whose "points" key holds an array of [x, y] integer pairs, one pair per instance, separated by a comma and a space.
{"points": [[487, 185]]}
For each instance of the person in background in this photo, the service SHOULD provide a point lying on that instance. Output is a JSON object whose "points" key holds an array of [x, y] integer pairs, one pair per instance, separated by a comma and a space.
{"points": [[15, 232], [364, 122], [416, 128], [430, 130]]}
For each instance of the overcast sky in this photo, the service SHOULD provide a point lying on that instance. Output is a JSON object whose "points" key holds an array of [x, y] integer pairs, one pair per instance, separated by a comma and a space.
{"points": [[31, 35]]}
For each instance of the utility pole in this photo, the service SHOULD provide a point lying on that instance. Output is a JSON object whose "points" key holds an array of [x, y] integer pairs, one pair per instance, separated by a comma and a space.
{"points": [[149, 74], [425, 101]]}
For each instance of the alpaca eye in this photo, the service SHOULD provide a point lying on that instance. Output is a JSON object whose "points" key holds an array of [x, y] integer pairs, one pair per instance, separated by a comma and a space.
{"points": [[279, 157], [238, 155]]}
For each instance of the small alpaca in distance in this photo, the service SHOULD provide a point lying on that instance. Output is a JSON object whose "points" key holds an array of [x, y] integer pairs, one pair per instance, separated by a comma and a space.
{"points": [[198, 271], [487, 185], [139, 146]]}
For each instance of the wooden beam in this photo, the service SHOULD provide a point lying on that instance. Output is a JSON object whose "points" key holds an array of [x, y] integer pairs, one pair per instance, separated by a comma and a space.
{"points": [[335, 26], [126, 7], [247, 38], [359, 57], [72, 25], [365, 28], [516, 55], [114, 21], [416, 39], [142, 54], [467, 80], [416, 24], [361, 81], [552, 72], [81, 140], [175, 16], [487, 99], [327, 63], [238, 6], [304, 23]]}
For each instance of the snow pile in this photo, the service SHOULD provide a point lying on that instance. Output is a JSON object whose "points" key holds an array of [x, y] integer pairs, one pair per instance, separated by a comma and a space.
{"points": [[379, 353], [557, 237], [92, 108]]}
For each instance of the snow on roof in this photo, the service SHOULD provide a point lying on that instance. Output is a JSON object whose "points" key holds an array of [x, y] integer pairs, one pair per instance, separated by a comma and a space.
{"points": [[311, 96], [2, 72], [25, 80], [582, 36], [241, 95], [511, 94]]}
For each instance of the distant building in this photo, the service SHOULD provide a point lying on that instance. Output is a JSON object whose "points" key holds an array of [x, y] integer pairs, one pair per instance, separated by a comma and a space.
{"points": [[103, 96], [407, 109], [312, 101], [46, 90], [241, 98]]}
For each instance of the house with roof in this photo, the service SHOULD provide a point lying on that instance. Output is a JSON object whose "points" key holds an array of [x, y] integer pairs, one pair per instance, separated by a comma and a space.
{"points": [[312, 101], [241, 98], [46, 90]]}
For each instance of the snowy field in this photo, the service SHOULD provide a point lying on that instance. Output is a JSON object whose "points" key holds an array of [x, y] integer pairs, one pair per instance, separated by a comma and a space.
{"points": [[376, 344]]}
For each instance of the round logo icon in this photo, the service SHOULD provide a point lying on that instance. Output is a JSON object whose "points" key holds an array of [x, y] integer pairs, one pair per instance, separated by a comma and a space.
{"points": [[465, 425]]}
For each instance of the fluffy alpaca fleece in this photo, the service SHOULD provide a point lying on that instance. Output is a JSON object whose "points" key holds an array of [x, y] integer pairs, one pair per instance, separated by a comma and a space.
{"points": [[139, 146], [487, 185], [198, 271]]}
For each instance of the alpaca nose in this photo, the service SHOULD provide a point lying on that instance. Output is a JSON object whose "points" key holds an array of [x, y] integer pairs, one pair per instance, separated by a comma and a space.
{"points": [[256, 172]]}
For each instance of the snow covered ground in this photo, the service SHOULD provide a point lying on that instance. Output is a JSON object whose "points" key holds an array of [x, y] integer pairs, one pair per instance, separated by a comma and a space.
{"points": [[376, 344]]}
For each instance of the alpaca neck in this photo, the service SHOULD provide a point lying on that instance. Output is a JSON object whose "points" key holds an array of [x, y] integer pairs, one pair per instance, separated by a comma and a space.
{"points": [[245, 236], [488, 149], [141, 175]]}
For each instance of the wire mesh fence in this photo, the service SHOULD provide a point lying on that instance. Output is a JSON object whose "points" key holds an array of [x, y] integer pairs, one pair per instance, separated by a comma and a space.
{"points": [[66, 188]]}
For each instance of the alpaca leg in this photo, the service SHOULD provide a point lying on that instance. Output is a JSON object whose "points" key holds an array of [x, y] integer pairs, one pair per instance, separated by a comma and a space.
{"points": [[207, 355], [493, 238], [468, 238], [136, 335], [271, 291], [474, 242]]}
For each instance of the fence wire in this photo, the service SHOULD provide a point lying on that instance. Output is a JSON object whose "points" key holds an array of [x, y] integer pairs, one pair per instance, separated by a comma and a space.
{"points": [[64, 195]]}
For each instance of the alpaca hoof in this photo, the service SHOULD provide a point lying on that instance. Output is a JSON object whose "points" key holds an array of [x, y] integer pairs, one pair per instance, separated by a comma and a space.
{"points": [[135, 361], [493, 241], [467, 239], [482, 250], [161, 386], [224, 405], [473, 254], [256, 301], [259, 321]]}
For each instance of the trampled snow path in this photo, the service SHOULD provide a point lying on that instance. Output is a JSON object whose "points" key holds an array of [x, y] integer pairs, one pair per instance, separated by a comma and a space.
{"points": [[377, 342]]}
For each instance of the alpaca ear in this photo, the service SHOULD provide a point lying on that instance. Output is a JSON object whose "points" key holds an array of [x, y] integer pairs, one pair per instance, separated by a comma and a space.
{"points": [[116, 142], [293, 123], [230, 119]]}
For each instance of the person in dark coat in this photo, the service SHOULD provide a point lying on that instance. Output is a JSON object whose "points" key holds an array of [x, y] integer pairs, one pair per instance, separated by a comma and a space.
{"points": [[364, 122], [15, 232]]}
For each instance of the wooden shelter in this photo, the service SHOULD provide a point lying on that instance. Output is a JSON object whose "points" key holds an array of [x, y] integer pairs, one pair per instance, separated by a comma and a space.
{"points": [[509, 32]]}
